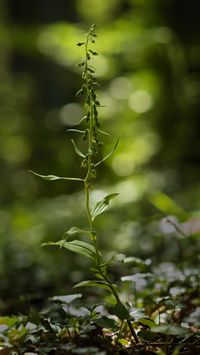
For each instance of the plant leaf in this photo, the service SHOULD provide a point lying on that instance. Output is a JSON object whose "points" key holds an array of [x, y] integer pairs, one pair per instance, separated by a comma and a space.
{"points": [[94, 283], [117, 258], [148, 336], [168, 206], [169, 330], [8, 321], [135, 260], [54, 177], [75, 130], [120, 311], [82, 120], [77, 150], [146, 321], [76, 230], [102, 205], [136, 313], [103, 132], [76, 246], [109, 154], [106, 322], [67, 298]]}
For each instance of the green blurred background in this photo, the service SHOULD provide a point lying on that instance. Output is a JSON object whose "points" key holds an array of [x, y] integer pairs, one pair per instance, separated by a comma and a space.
{"points": [[149, 71]]}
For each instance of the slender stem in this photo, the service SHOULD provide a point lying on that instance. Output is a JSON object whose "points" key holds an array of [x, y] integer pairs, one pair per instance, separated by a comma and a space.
{"points": [[87, 193], [132, 330], [88, 178], [115, 294], [89, 162], [105, 276]]}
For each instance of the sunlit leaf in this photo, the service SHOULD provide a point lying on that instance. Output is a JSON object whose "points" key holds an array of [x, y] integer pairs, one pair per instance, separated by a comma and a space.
{"points": [[136, 313], [67, 298], [76, 230], [134, 260], [54, 177], [124, 342], [9, 321], [102, 205], [118, 257], [168, 206], [109, 154], [137, 276], [77, 246], [94, 283], [148, 322]]}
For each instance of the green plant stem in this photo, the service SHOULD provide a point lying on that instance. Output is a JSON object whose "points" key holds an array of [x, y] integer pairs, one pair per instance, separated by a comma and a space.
{"points": [[115, 294], [104, 275], [88, 183]]}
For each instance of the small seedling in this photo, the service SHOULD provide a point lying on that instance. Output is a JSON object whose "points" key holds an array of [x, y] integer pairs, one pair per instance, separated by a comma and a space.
{"points": [[90, 161]]}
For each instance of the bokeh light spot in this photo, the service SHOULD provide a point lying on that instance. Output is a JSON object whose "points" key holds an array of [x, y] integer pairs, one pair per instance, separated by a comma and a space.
{"points": [[70, 114], [140, 101], [120, 88], [15, 150], [123, 164]]}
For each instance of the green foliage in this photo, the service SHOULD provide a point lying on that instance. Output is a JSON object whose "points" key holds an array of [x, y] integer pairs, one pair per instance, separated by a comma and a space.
{"points": [[102, 205], [143, 67], [68, 324], [144, 324], [170, 330], [77, 246], [54, 177], [109, 154], [167, 205], [92, 124], [95, 283]]}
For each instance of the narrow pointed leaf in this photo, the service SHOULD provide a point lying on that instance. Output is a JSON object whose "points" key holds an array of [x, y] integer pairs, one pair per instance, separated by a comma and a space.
{"points": [[109, 154], [54, 177], [77, 150], [94, 283], [76, 230], [77, 247], [103, 132], [102, 205], [75, 130], [79, 93], [82, 120]]}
